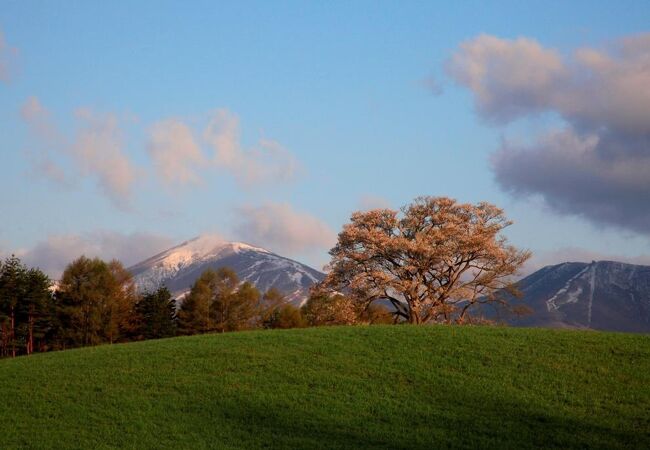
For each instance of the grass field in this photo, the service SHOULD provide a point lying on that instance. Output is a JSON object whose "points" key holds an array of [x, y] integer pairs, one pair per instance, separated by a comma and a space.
{"points": [[345, 387]]}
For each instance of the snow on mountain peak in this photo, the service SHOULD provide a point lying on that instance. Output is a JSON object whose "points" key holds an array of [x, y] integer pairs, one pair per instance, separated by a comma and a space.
{"points": [[180, 266], [200, 249]]}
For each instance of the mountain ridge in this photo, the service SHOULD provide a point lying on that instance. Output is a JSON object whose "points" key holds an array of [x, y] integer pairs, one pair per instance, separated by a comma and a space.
{"points": [[601, 295], [178, 267]]}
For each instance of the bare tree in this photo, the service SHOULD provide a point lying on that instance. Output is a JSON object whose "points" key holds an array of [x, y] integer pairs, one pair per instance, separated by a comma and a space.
{"points": [[434, 261]]}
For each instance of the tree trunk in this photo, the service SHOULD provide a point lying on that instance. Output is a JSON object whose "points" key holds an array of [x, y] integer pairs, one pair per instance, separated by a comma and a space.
{"points": [[414, 318], [30, 340], [4, 339], [13, 333]]}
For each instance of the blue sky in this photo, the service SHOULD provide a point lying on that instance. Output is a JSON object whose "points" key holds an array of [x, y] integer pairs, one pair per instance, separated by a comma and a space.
{"points": [[339, 91]]}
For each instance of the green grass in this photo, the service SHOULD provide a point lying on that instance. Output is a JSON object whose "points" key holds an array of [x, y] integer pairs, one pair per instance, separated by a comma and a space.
{"points": [[345, 387]]}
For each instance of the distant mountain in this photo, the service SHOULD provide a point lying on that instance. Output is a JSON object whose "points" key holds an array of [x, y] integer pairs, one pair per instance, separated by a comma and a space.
{"points": [[179, 267], [603, 295]]}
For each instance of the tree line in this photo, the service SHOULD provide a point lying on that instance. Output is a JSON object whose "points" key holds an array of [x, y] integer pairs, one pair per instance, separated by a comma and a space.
{"points": [[96, 302], [433, 261]]}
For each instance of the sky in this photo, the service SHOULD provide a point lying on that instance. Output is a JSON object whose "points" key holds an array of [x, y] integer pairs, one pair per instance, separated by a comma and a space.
{"points": [[129, 127]]}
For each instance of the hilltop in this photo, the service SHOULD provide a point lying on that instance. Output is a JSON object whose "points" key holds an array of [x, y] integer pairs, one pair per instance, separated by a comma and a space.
{"points": [[342, 387]]}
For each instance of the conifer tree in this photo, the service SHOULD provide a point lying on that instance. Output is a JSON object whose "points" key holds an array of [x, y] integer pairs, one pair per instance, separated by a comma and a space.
{"points": [[157, 314], [12, 290], [35, 311], [25, 308]]}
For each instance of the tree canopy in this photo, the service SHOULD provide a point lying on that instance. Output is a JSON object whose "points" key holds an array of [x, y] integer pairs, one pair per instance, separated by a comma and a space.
{"points": [[217, 302], [435, 260], [95, 302], [25, 304]]}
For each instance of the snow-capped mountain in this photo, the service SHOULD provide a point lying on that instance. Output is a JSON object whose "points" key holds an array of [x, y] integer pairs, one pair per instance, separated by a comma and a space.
{"points": [[180, 266], [603, 295]]}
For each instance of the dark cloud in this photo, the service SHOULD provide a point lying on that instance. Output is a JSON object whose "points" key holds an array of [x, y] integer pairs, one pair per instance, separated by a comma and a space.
{"points": [[598, 165], [588, 175]]}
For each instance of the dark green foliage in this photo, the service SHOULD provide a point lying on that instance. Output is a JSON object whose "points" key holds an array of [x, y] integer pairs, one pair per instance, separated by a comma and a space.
{"points": [[36, 312], [156, 314], [402, 387], [25, 308]]}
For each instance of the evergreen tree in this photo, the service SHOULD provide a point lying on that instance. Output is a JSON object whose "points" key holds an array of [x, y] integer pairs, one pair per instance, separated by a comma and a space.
{"points": [[157, 314], [35, 311], [25, 308], [12, 290]]}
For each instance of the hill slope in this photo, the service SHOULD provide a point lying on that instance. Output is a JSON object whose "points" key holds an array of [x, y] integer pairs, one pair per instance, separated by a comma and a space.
{"points": [[603, 295], [345, 387], [179, 267]]}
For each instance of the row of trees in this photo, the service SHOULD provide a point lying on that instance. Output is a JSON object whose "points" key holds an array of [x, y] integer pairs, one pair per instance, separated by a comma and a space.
{"points": [[434, 261], [218, 303], [24, 308], [96, 302]]}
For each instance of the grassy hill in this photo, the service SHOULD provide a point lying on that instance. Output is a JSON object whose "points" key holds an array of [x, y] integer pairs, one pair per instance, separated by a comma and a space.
{"points": [[345, 387]]}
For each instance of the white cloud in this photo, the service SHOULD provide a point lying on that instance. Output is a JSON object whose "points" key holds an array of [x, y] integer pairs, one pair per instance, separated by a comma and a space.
{"points": [[279, 227], [596, 166], [96, 151], [175, 153], [266, 162], [43, 158], [56, 252], [508, 78]]}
